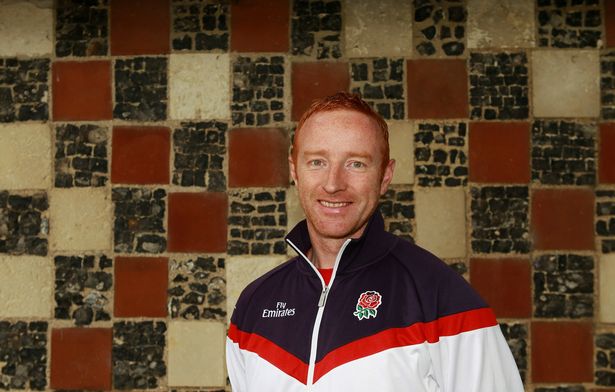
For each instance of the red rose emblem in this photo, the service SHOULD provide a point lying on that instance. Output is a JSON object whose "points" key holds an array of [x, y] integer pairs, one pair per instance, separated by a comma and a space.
{"points": [[370, 300]]}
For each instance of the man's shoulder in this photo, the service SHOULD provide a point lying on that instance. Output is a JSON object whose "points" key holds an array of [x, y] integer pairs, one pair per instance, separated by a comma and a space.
{"points": [[414, 256], [434, 279], [264, 283], [270, 277]]}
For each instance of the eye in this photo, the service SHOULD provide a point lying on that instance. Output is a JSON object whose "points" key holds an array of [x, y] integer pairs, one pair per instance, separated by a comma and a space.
{"points": [[357, 165], [316, 163]]}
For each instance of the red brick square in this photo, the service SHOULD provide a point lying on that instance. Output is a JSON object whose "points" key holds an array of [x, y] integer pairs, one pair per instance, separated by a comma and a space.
{"points": [[562, 352], [314, 80], [504, 284], [609, 22], [81, 90], [437, 89], [198, 222], [258, 157], [141, 286], [140, 27], [606, 155], [499, 152], [260, 25], [563, 219], [81, 358], [140, 155]]}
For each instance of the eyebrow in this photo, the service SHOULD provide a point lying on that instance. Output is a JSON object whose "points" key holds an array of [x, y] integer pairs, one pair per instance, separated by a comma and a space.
{"points": [[363, 155]]}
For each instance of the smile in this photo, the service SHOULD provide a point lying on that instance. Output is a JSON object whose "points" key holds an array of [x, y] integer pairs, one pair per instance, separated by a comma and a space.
{"points": [[334, 204]]}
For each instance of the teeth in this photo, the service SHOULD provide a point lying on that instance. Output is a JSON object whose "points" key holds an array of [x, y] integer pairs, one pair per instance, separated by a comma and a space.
{"points": [[333, 205]]}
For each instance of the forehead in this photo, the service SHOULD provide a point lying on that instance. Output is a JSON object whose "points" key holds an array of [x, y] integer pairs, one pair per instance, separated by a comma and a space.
{"points": [[338, 129]]}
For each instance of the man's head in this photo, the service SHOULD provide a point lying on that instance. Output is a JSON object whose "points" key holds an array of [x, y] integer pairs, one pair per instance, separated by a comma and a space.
{"points": [[345, 101], [340, 164]]}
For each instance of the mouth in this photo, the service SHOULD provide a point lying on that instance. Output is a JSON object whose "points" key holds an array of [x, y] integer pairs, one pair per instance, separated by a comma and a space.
{"points": [[337, 204]]}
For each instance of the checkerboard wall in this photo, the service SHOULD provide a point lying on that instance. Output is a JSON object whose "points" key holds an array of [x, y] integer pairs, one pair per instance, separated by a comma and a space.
{"points": [[144, 181]]}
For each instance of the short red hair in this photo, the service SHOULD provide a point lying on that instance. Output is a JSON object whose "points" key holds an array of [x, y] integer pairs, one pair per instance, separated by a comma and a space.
{"points": [[345, 101]]}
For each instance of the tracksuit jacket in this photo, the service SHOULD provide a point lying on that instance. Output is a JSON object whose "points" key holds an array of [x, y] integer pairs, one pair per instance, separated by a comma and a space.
{"points": [[393, 318]]}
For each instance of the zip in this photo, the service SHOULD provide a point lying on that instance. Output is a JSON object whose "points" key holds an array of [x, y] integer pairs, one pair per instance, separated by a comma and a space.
{"points": [[322, 301]]}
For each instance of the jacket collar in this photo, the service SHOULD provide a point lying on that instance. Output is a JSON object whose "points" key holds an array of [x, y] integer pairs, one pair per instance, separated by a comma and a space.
{"points": [[373, 244]]}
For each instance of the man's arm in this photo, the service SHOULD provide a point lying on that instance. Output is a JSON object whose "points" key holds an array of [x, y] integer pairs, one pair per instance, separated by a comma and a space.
{"points": [[471, 353], [235, 364], [475, 361]]}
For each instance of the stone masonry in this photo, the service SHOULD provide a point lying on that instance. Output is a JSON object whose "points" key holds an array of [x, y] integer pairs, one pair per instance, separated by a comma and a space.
{"points": [[441, 154], [143, 144], [23, 354], [380, 82], [138, 354], [257, 222], [24, 89], [564, 286], [258, 91], [200, 25], [499, 219], [439, 27], [605, 359], [516, 336], [83, 288], [139, 220], [566, 388], [605, 220], [499, 86], [563, 153], [141, 89], [197, 288], [81, 157], [569, 23], [607, 84], [24, 223], [397, 208], [199, 150], [82, 28], [316, 27]]}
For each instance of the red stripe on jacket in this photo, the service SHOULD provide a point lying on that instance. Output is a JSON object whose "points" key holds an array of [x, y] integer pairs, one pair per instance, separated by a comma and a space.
{"points": [[416, 333]]}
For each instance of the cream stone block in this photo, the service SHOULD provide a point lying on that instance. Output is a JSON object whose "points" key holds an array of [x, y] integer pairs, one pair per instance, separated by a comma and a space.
{"points": [[25, 156], [501, 24], [26, 286], [607, 289], [242, 270], [294, 211], [294, 214], [26, 27], [80, 219], [401, 145], [199, 86], [378, 28], [196, 354], [441, 221], [566, 83]]}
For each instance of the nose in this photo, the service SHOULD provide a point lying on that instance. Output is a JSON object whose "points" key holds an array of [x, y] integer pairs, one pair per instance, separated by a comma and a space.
{"points": [[336, 179]]}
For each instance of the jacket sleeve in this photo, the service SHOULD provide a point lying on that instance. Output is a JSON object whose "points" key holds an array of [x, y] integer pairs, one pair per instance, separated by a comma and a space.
{"points": [[469, 352], [475, 361], [235, 364]]}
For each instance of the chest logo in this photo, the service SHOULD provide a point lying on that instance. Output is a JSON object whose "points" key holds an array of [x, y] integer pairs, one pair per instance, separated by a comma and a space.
{"points": [[280, 311], [367, 305]]}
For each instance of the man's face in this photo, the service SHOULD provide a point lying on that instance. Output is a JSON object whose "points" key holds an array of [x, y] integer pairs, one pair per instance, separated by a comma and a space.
{"points": [[338, 172]]}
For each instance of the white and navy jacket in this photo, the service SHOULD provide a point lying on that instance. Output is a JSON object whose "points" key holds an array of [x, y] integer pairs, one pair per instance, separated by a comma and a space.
{"points": [[430, 332]]}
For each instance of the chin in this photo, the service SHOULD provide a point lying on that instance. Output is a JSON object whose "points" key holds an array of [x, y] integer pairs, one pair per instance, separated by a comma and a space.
{"points": [[339, 233]]}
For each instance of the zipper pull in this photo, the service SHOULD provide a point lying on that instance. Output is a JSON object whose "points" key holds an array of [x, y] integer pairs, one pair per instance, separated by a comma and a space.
{"points": [[323, 297]]}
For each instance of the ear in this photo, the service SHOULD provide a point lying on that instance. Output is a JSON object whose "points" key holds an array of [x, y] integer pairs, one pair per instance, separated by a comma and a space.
{"points": [[387, 176], [293, 168]]}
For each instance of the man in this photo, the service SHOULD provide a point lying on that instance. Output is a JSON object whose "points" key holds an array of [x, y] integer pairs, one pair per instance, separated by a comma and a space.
{"points": [[359, 309]]}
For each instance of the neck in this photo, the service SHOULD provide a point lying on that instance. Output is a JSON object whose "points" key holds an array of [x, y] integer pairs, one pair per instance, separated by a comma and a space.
{"points": [[324, 252]]}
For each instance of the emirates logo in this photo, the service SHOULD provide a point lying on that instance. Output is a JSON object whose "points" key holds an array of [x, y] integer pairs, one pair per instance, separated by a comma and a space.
{"points": [[367, 305]]}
